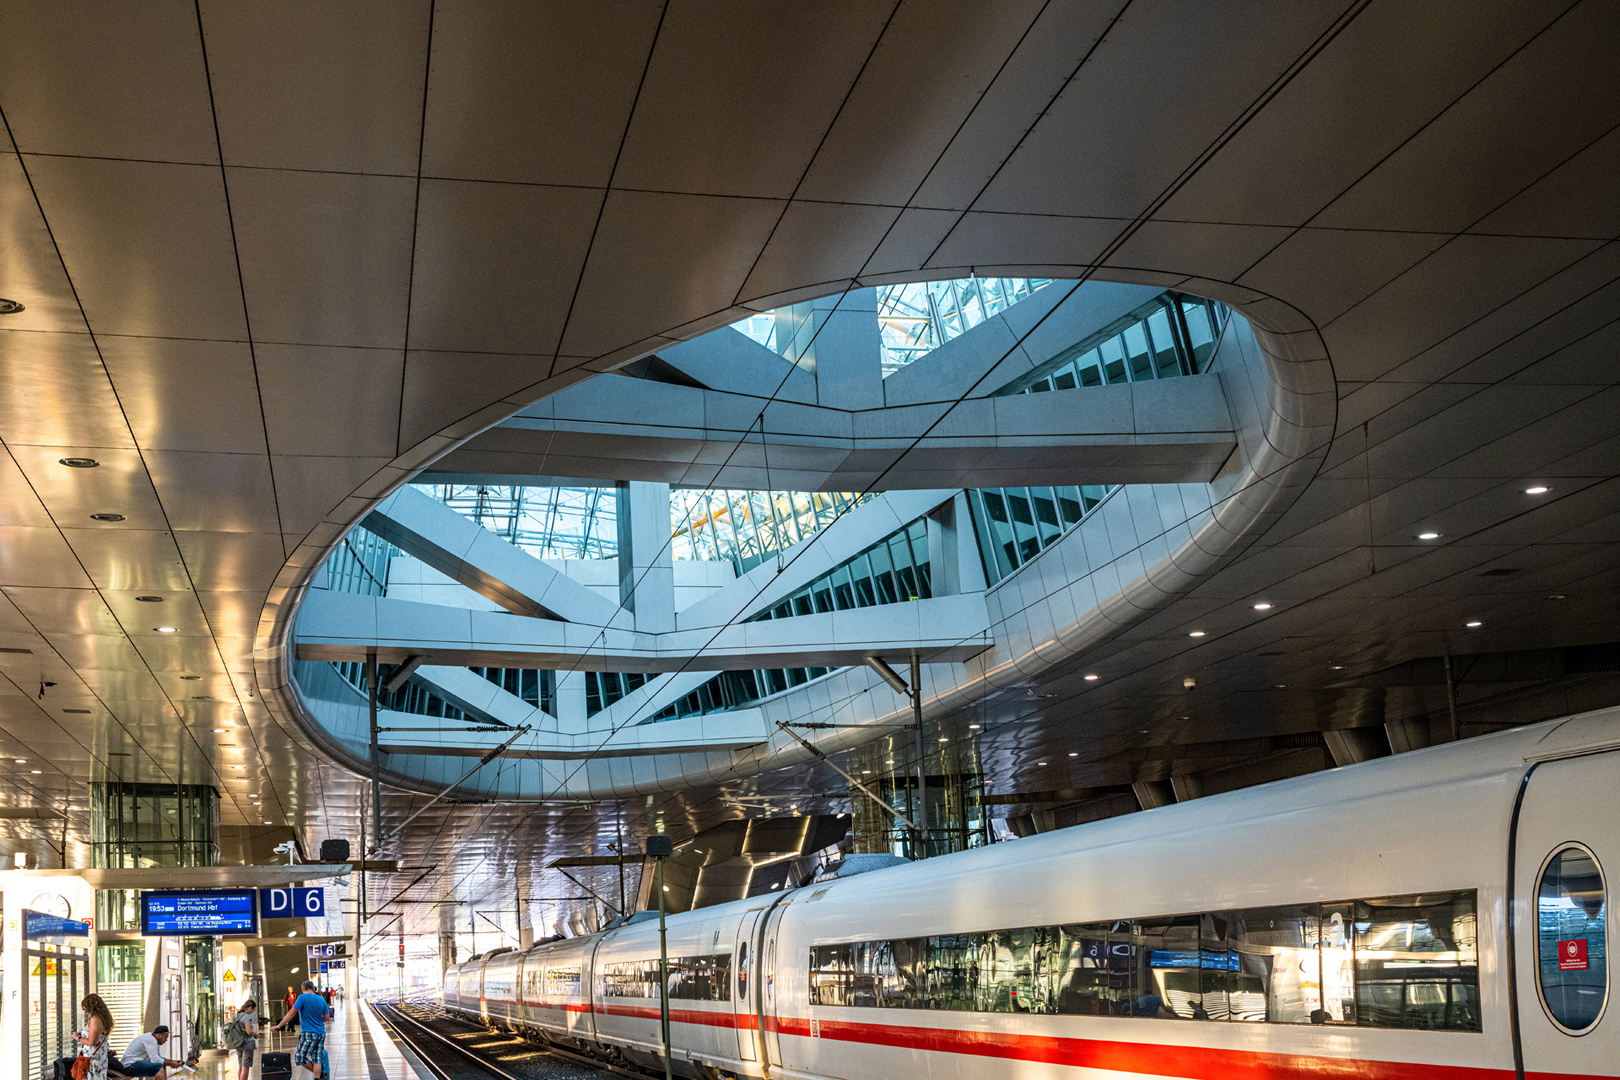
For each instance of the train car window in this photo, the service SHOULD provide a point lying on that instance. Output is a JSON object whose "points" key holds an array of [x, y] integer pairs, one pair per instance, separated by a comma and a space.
{"points": [[691, 978], [1401, 962], [1278, 962], [830, 974], [1416, 962], [1571, 940], [562, 981]]}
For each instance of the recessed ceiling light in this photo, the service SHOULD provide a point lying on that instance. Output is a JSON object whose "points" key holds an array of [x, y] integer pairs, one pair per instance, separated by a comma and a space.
{"points": [[78, 462], [973, 727], [238, 766], [20, 761], [1040, 763], [1074, 753], [166, 629], [219, 731], [1476, 624], [889, 762], [150, 599], [943, 739], [1538, 489], [1196, 633], [191, 678], [106, 517], [295, 969], [1092, 678], [1428, 536], [1279, 686], [37, 772], [1262, 606], [866, 772], [10, 307], [1558, 596], [1335, 667]]}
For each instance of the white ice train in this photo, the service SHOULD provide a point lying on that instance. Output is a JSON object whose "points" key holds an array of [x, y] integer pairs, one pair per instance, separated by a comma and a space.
{"points": [[1438, 914]]}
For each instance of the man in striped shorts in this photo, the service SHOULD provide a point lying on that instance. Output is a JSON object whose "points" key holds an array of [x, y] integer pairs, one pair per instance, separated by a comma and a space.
{"points": [[310, 1008]]}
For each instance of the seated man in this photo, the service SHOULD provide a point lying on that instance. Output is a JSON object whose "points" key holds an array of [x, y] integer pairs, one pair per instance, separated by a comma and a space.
{"points": [[144, 1055]]}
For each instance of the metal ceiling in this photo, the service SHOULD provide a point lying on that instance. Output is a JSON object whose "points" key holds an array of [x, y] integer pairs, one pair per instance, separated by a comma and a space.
{"points": [[276, 257]]}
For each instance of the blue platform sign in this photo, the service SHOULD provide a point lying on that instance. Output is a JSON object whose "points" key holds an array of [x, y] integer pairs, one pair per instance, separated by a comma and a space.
{"points": [[292, 903], [204, 911], [38, 926]]}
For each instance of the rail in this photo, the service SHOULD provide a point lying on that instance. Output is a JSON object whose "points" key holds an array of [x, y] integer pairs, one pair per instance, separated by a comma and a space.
{"points": [[398, 1019]]}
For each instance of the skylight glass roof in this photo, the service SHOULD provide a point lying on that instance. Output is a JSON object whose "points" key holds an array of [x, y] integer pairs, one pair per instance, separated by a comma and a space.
{"points": [[914, 319], [547, 522]]}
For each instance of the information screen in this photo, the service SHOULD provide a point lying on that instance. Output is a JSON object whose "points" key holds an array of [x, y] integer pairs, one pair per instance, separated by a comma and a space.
{"points": [[213, 911]]}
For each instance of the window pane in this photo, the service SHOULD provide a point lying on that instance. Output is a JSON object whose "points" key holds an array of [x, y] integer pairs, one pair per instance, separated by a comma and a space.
{"points": [[1571, 952], [1138, 353], [1277, 958], [1166, 361], [1112, 355], [1200, 332], [1416, 962]]}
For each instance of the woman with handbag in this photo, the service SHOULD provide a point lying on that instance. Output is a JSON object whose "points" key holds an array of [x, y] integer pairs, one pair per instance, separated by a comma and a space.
{"points": [[91, 1064]]}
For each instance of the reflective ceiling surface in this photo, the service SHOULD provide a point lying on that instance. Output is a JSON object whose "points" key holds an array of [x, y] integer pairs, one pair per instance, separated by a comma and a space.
{"points": [[277, 257]]}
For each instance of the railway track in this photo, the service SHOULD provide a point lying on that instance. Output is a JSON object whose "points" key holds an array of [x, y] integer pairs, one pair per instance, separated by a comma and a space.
{"points": [[477, 1055]]}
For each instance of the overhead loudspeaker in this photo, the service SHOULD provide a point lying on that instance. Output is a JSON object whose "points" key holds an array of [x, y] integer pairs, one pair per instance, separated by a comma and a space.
{"points": [[334, 851]]}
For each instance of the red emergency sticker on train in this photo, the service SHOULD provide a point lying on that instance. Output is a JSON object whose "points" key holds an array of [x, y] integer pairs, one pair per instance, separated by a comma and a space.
{"points": [[1572, 955]]}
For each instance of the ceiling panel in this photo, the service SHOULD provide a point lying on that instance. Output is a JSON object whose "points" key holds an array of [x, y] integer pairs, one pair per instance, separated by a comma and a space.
{"points": [[442, 388], [738, 97], [148, 245], [925, 78], [497, 265], [215, 492], [1530, 115], [186, 395], [340, 423], [326, 257], [307, 85], [130, 560], [645, 235], [1394, 69], [818, 242], [29, 266], [526, 91], [81, 78], [230, 561], [1117, 138], [54, 391]]}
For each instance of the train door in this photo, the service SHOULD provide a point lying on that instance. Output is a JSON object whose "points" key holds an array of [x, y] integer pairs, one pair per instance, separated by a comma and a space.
{"points": [[742, 957], [770, 989], [1567, 864]]}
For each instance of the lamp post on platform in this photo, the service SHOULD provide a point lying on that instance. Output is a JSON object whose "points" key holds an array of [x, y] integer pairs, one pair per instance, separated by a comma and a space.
{"points": [[659, 848]]}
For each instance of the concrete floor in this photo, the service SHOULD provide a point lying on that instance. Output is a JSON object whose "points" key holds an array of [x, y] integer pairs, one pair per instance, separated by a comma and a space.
{"points": [[358, 1047]]}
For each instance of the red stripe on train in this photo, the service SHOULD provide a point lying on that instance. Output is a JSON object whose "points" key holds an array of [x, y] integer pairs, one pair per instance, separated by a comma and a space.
{"points": [[1153, 1059]]}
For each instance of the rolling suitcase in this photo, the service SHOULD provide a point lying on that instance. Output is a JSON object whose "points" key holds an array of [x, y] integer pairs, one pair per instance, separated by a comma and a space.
{"points": [[275, 1066]]}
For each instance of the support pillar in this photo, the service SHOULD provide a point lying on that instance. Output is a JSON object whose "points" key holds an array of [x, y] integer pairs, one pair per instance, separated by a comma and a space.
{"points": [[646, 562]]}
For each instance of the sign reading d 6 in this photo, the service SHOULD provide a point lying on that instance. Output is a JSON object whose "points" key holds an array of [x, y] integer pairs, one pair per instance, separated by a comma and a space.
{"points": [[292, 903]]}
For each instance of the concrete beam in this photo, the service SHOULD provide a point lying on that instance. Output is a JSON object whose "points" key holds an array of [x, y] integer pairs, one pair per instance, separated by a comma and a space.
{"points": [[618, 429], [483, 562], [345, 626]]}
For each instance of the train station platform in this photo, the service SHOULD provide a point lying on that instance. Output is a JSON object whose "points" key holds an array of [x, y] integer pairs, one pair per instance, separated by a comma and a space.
{"points": [[356, 1043]]}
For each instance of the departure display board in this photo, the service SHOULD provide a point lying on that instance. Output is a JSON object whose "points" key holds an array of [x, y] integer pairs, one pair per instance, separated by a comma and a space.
{"points": [[210, 911]]}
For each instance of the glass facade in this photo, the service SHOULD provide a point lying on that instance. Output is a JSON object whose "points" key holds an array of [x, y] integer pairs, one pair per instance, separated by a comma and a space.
{"points": [[735, 689], [1394, 962], [136, 825], [1174, 335], [360, 564], [748, 527], [916, 318], [892, 571], [547, 522], [1013, 525]]}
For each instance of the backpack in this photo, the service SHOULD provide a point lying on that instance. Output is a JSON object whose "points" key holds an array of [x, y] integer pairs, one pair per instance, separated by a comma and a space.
{"points": [[235, 1033]]}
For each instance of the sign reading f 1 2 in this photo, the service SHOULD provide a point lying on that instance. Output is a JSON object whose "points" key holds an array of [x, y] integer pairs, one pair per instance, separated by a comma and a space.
{"points": [[292, 903]]}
